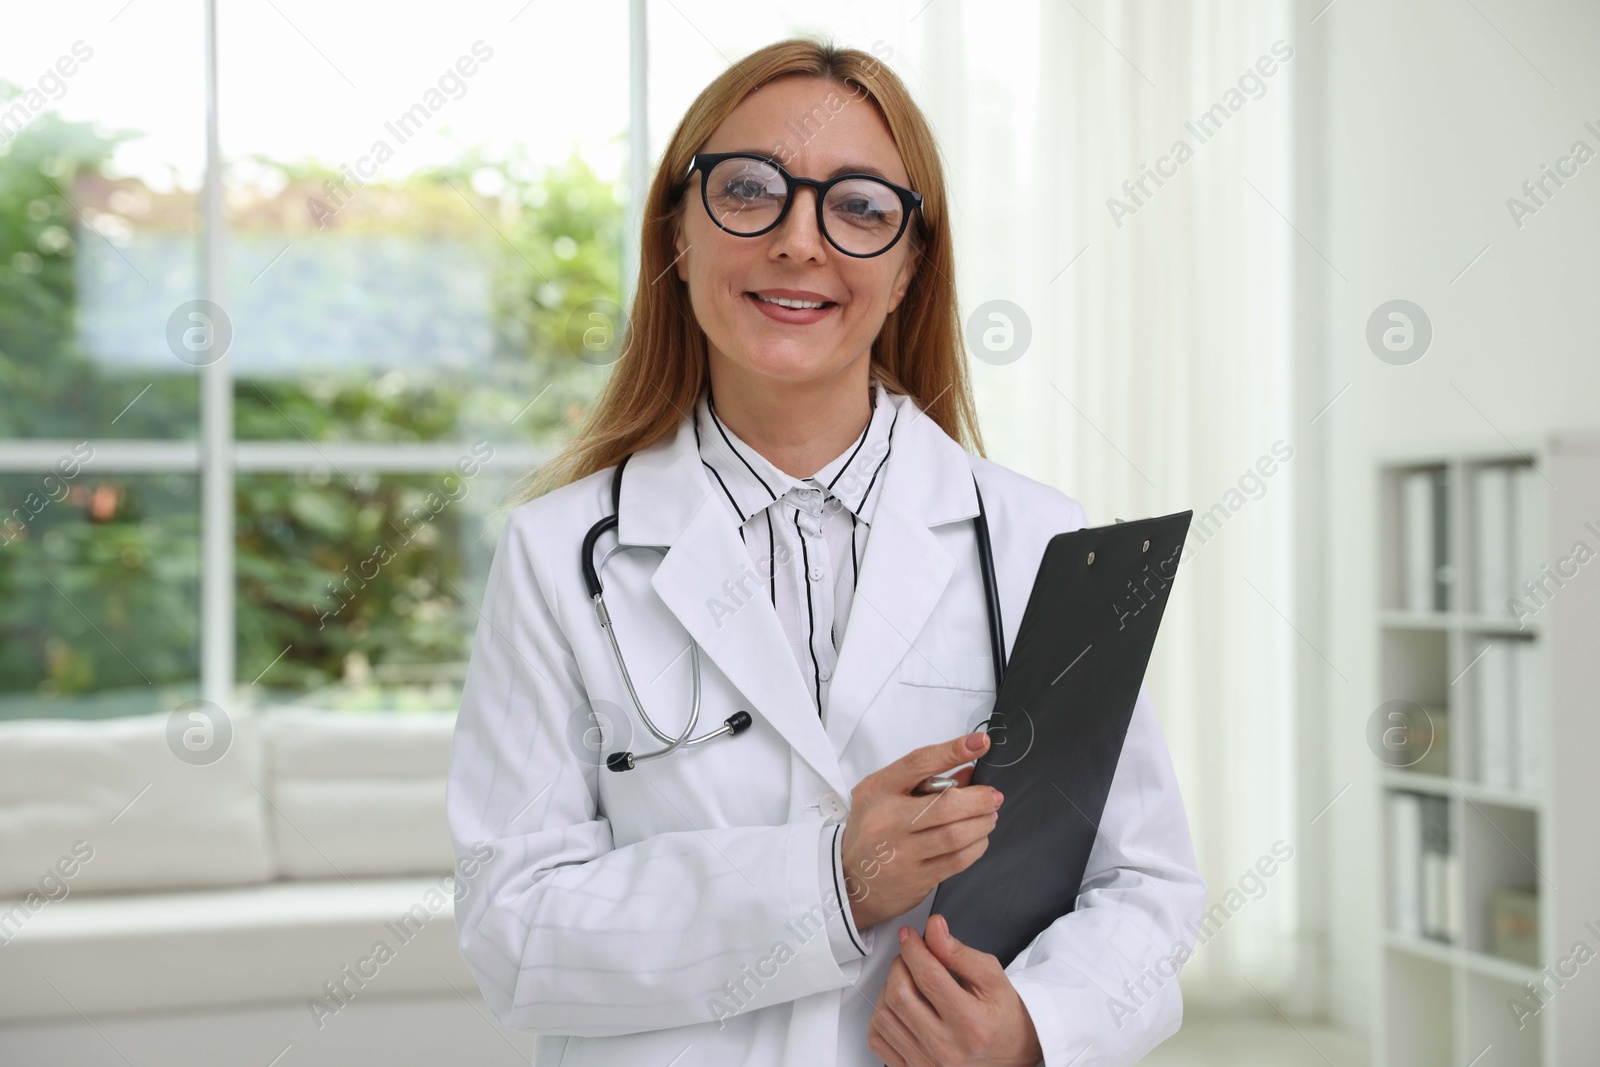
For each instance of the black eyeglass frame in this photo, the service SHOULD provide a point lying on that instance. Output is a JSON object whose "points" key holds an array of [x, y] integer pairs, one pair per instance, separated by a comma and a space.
{"points": [[705, 162]]}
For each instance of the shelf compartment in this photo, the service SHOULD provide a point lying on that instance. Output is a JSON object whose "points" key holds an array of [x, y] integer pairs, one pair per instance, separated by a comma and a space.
{"points": [[1492, 1031], [1417, 1019], [1499, 850], [1415, 667]]}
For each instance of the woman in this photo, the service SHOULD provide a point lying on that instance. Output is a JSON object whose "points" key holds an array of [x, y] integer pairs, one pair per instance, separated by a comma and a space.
{"points": [[786, 415]]}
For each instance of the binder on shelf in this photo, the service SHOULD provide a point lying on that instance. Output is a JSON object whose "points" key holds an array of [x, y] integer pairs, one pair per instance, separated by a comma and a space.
{"points": [[1424, 875], [1529, 668], [1443, 570], [1405, 863], [1453, 911], [1417, 540], [1529, 551], [1495, 703], [1438, 870], [1493, 518]]}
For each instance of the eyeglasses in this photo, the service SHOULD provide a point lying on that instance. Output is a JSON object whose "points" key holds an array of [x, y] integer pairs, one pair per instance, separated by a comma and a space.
{"points": [[748, 195]]}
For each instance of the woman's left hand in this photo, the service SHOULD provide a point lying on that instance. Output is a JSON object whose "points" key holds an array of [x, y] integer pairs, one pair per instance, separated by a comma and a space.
{"points": [[925, 1017]]}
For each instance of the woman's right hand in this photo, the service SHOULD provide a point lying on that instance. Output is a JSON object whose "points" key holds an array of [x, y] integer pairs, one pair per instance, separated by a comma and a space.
{"points": [[898, 846]]}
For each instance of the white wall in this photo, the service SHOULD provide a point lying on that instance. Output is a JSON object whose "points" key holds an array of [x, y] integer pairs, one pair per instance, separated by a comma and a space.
{"points": [[1436, 112]]}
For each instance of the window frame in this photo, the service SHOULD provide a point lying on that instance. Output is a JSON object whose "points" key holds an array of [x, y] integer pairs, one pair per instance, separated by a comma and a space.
{"points": [[217, 458]]}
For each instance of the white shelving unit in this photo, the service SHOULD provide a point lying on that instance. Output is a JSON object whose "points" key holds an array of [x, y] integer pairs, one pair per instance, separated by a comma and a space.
{"points": [[1445, 1004]]}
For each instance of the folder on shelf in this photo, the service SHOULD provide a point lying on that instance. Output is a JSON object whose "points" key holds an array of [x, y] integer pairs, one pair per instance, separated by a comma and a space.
{"points": [[1424, 868], [1443, 570], [1529, 669], [1495, 688], [1530, 554], [1058, 726], [1438, 871], [1405, 863], [1416, 538], [1492, 535], [1426, 571]]}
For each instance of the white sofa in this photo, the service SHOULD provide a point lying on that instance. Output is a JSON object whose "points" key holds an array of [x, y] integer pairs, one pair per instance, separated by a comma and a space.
{"points": [[136, 885]]}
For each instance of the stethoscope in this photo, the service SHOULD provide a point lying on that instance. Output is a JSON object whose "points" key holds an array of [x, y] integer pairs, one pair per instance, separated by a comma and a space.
{"points": [[740, 721]]}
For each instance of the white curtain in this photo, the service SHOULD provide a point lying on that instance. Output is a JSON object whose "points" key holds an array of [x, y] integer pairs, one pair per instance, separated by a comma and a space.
{"points": [[1159, 375]]}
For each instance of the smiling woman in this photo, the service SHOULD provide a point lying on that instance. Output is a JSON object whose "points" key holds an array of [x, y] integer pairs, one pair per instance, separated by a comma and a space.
{"points": [[817, 115], [720, 900]]}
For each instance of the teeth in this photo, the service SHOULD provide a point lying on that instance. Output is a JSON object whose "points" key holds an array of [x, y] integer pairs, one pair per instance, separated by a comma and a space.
{"points": [[785, 302]]}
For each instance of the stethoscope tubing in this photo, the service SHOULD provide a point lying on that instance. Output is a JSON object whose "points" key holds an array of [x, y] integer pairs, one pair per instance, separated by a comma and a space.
{"points": [[627, 678], [741, 720]]}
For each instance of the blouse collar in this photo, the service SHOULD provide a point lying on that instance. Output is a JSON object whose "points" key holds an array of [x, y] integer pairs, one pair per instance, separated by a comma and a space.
{"points": [[750, 483]]}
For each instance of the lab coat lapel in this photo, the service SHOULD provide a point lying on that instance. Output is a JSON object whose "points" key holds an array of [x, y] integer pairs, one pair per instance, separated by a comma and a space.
{"points": [[928, 481], [708, 582]]}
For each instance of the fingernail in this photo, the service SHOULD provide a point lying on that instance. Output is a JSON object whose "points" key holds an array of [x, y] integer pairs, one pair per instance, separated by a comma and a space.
{"points": [[999, 798], [975, 742], [903, 933]]}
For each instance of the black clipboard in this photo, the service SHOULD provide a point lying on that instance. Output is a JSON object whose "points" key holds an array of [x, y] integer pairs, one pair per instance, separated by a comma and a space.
{"points": [[1058, 725]]}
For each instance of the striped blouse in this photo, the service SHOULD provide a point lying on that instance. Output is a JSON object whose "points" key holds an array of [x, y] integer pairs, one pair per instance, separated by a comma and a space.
{"points": [[806, 537]]}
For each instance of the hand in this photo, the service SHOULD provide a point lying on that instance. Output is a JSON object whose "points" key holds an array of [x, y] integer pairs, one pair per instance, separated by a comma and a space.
{"points": [[948, 1005], [897, 846]]}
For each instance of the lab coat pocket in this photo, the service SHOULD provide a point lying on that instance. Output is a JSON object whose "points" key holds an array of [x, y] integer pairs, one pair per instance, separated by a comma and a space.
{"points": [[950, 693], [943, 670]]}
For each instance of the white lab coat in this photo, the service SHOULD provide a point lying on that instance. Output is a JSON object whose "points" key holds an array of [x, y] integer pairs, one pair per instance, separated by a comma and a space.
{"points": [[620, 909]]}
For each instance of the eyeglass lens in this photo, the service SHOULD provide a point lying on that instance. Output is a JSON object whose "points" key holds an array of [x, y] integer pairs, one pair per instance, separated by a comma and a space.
{"points": [[861, 215]]}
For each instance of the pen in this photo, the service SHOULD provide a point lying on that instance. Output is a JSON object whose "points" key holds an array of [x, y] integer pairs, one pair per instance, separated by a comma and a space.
{"points": [[933, 784]]}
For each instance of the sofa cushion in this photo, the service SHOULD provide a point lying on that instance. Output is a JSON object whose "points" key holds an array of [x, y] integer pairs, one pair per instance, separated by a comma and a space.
{"points": [[282, 941], [358, 794], [114, 805]]}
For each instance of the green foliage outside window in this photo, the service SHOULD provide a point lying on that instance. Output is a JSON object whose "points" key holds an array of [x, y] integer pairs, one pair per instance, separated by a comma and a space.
{"points": [[99, 572]]}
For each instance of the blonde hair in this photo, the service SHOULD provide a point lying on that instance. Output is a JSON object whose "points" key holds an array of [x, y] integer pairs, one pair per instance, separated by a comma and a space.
{"points": [[662, 368]]}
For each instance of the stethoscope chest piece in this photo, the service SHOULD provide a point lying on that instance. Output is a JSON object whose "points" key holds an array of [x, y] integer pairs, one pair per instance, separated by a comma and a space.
{"points": [[736, 723]]}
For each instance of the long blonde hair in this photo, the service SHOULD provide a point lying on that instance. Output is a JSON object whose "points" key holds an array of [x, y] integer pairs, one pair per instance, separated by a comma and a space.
{"points": [[663, 363]]}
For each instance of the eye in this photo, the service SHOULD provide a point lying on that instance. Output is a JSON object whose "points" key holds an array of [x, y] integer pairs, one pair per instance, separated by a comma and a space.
{"points": [[861, 208], [866, 205], [746, 188]]}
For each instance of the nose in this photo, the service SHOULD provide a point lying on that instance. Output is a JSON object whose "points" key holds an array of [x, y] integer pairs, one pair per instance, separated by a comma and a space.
{"points": [[798, 236]]}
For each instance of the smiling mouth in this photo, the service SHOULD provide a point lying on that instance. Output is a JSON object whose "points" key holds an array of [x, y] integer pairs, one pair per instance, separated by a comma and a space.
{"points": [[785, 302]]}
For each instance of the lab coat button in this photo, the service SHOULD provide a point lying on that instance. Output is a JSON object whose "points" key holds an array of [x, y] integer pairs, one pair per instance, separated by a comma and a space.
{"points": [[832, 807], [816, 574]]}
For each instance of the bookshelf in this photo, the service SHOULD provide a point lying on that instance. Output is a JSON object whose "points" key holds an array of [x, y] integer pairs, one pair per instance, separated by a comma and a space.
{"points": [[1514, 785]]}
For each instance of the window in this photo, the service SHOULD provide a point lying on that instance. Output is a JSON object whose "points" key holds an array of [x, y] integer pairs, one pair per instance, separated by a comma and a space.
{"points": [[259, 454]]}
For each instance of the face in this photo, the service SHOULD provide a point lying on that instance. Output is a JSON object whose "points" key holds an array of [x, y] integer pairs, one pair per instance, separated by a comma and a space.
{"points": [[723, 271]]}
